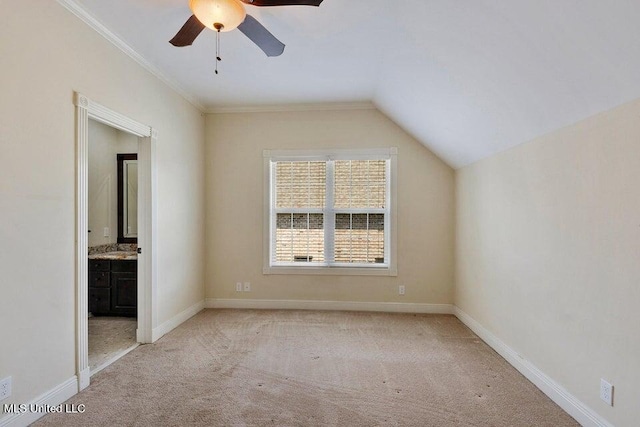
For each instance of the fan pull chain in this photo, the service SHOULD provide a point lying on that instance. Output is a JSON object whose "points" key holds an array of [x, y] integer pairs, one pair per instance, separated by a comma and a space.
{"points": [[218, 59]]}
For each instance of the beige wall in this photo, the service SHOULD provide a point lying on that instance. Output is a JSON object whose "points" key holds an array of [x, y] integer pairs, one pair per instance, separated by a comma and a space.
{"points": [[47, 54], [235, 143], [547, 233], [548, 255], [105, 143]]}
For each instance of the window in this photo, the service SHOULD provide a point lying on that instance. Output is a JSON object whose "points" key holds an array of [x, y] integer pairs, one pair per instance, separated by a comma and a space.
{"points": [[330, 211]]}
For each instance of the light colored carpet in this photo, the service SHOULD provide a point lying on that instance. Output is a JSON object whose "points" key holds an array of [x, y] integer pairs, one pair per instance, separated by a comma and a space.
{"points": [[307, 368], [108, 337]]}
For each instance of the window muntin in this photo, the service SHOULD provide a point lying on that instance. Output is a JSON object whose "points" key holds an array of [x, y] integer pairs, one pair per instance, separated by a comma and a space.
{"points": [[331, 213], [359, 238], [299, 238], [360, 184], [300, 184]]}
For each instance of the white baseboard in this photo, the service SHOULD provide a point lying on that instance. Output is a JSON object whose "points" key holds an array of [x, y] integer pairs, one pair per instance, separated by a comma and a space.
{"points": [[84, 379], [53, 397], [176, 321], [391, 307], [574, 407]]}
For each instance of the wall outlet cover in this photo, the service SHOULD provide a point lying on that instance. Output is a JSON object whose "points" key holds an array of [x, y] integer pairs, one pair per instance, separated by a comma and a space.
{"points": [[606, 392], [247, 287], [238, 286], [5, 388]]}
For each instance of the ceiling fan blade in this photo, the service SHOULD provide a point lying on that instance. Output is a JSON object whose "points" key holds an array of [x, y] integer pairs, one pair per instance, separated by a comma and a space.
{"points": [[188, 33], [283, 2], [258, 34]]}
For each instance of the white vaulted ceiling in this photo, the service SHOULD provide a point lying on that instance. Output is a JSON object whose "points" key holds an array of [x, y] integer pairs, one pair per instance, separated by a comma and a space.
{"points": [[467, 78]]}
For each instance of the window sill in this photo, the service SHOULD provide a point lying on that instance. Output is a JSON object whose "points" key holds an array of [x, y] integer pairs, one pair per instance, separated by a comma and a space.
{"points": [[331, 271]]}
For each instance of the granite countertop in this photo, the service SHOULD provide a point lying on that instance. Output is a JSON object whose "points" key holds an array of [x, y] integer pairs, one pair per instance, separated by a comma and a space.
{"points": [[115, 255], [114, 251]]}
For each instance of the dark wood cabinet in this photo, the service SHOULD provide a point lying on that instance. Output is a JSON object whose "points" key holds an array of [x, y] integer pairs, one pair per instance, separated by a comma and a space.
{"points": [[113, 287], [99, 301]]}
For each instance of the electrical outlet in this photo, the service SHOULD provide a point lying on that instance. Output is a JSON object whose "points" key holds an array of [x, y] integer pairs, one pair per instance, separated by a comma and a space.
{"points": [[107, 232], [247, 287], [606, 392], [238, 286], [401, 290], [5, 388]]}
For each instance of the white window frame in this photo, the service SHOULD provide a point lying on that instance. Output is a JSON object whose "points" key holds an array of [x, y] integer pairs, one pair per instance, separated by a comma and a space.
{"points": [[269, 213]]}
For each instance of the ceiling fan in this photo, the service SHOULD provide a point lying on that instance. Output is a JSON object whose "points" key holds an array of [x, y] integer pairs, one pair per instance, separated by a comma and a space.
{"points": [[226, 15]]}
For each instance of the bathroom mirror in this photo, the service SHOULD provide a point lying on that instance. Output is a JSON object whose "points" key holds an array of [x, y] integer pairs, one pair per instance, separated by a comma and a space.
{"points": [[127, 198]]}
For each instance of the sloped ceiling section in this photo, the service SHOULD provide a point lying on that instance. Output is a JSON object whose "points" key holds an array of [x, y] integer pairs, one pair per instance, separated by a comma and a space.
{"points": [[467, 78]]}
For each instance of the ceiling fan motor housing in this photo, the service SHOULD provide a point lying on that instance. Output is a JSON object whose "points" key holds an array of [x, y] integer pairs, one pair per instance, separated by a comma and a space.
{"points": [[219, 15]]}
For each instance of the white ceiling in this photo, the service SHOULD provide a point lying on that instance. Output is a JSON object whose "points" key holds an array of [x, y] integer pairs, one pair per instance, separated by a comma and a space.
{"points": [[467, 78]]}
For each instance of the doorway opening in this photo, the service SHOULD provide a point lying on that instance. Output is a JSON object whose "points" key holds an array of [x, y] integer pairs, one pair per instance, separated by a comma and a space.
{"points": [[113, 244], [115, 229]]}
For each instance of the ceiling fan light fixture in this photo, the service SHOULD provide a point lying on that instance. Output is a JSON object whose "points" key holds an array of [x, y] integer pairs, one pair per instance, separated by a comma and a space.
{"points": [[219, 15]]}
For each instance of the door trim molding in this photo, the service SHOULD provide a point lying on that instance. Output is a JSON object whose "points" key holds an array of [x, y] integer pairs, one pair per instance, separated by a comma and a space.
{"points": [[147, 219]]}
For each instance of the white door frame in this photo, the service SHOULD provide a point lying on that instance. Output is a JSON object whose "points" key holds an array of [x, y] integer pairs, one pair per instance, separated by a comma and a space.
{"points": [[147, 225]]}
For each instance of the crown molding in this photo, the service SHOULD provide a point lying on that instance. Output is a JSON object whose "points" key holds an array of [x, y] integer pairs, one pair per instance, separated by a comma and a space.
{"points": [[279, 108], [73, 7]]}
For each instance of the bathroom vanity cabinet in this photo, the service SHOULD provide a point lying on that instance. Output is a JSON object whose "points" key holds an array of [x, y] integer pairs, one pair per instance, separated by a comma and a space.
{"points": [[113, 287]]}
